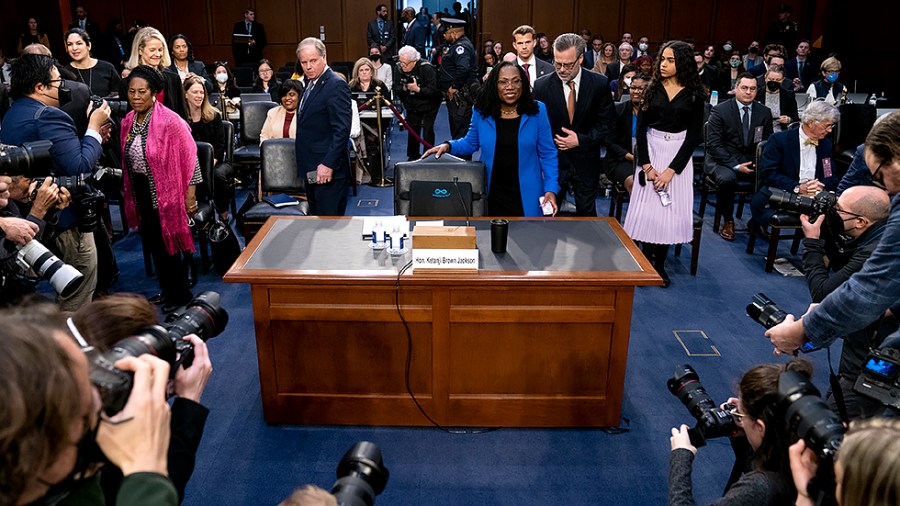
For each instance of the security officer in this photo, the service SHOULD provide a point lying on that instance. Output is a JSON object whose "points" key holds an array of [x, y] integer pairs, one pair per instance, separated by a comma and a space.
{"points": [[457, 76]]}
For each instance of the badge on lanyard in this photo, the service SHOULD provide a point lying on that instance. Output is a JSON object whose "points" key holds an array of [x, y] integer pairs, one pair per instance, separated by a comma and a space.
{"points": [[826, 167], [757, 135]]}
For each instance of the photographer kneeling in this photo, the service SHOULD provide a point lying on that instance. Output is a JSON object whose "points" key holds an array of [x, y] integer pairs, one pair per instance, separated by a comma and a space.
{"points": [[768, 481], [51, 419], [856, 223]]}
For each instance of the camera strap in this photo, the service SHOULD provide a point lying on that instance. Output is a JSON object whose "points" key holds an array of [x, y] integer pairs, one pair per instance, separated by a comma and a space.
{"points": [[836, 390]]}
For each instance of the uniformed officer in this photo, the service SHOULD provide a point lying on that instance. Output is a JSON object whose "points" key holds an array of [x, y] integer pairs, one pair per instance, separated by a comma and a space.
{"points": [[457, 76]]}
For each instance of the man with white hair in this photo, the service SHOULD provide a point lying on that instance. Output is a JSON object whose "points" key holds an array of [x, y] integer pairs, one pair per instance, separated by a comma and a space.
{"points": [[417, 88], [798, 160], [614, 69]]}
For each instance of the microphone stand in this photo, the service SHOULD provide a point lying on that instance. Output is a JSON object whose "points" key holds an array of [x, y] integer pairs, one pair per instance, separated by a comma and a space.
{"points": [[383, 182]]}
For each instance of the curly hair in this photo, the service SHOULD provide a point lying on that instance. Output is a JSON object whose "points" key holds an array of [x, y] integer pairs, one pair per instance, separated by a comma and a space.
{"points": [[685, 73], [487, 101], [154, 77]]}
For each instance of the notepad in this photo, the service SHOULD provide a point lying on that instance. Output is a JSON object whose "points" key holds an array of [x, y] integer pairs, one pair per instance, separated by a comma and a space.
{"points": [[281, 200]]}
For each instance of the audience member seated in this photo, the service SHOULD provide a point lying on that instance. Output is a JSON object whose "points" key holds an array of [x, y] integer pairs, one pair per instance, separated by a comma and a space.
{"points": [[384, 72], [513, 132], [227, 88], [708, 75], [607, 59], [782, 102], [364, 80], [100, 76], [105, 322], [644, 64], [281, 121], [543, 49], [734, 130], [620, 86], [488, 61], [206, 126], [31, 35], [771, 51], [264, 80], [728, 78], [798, 160], [828, 88], [619, 161], [149, 48], [752, 59], [767, 479], [159, 153], [183, 62], [867, 467], [614, 69]]}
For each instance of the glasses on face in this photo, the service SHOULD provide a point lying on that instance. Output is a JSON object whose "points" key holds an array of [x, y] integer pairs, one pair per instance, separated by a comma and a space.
{"points": [[876, 179], [510, 83], [265, 71], [567, 66], [637, 88], [842, 210], [827, 126], [737, 416]]}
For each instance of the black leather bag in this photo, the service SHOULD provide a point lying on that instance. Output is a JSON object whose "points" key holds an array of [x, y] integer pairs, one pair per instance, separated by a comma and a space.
{"points": [[224, 244]]}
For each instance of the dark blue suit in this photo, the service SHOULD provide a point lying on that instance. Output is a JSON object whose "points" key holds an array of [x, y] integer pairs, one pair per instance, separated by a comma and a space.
{"points": [[323, 130], [779, 167], [415, 36]]}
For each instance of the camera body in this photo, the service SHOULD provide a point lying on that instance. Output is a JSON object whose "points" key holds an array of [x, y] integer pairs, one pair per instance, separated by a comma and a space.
{"points": [[117, 108], [820, 205], [879, 378], [712, 421]]}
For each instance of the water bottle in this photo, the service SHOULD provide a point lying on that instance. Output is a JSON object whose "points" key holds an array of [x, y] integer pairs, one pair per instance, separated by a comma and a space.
{"points": [[714, 98], [396, 242], [378, 236], [664, 198]]}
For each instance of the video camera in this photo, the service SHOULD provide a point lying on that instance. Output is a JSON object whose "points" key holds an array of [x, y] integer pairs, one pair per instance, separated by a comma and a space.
{"points": [[764, 311], [203, 316], [879, 378], [822, 204], [361, 475], [712, 421], [31, 159]]}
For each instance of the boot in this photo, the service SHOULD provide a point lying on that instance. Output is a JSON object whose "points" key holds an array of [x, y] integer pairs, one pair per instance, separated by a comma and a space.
{"points": [[659, 263]]}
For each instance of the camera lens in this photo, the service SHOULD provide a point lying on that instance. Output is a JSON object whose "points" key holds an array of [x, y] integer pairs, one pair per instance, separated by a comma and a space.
{"points": [[807, 415], [203, 316], [361, 475]]}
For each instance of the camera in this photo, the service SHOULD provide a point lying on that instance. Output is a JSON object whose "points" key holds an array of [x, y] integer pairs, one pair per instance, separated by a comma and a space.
{"points": [[117, 108], [764, 311], [406, 78], [31, 159], [822, 204], [712, 421], [361, 475], [879, 378], [64, 278], [202, 316], [807, 416]]}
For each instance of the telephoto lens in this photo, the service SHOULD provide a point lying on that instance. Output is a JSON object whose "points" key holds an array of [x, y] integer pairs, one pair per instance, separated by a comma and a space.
{"points": [[808, 416], [764, 311], [712, 422], [32, 159], [361, 475], [64, 278], [203, 316]]}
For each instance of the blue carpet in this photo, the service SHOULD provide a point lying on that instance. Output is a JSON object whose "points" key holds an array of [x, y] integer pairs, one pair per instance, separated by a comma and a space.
{"points": [[242, 460]]}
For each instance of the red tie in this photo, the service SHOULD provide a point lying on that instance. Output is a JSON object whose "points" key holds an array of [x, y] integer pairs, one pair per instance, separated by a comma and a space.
{"points": [[571, 104], [525, 66]]}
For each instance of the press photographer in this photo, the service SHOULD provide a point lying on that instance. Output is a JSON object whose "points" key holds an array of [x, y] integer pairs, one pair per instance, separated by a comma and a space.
{"points": [[417, 88], [38, 92]]}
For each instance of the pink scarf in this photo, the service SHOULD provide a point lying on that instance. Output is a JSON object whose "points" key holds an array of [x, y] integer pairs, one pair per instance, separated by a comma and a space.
{"points": [[172, 156]]}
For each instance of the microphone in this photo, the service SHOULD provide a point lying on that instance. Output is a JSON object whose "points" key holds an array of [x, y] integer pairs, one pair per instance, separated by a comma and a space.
{"points": [[461, 201]]}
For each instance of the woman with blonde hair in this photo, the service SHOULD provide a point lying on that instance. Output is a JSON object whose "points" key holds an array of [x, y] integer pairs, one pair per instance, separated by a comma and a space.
{"points": [[150, 48], [608, 56], [206, 126]]}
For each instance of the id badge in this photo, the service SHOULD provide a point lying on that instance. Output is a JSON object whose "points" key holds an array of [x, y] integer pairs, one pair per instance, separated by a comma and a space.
{"points": [[826, 167], [757, 135]]}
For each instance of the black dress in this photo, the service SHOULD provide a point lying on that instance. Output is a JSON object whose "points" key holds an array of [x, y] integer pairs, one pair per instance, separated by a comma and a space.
{"points": [[505, 196], [102, 78]]}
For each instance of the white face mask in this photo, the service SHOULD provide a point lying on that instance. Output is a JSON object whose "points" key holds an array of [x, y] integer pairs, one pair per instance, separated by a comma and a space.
{"points": [[726, 47], [627, 81], [642, 46], [222, 78]]}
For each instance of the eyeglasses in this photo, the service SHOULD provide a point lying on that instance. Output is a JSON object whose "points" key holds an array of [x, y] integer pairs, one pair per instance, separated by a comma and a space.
{"points": [[265, 71], [826, 126], [737, 415], [506, 83], [877, 180], [567, 66], [842, 210]]}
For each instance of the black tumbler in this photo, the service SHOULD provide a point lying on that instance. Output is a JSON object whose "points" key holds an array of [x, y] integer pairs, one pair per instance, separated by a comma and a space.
{"points": [[499, 234]]}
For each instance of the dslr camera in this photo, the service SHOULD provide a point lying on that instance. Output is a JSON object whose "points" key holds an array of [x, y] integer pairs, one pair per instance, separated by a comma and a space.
{"points": [[820, 205], [361, 475], [87, 202], [203, 316], [64, 278], [31, 159], [712, 421], [764, 311], [117, 108]]}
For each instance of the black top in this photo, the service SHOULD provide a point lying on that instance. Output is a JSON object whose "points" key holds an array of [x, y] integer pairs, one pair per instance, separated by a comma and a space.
{"points": [[102, 78], [385, 91], [505, 196], [683, 113], [274, 85], [212, 132], [230, 91]]}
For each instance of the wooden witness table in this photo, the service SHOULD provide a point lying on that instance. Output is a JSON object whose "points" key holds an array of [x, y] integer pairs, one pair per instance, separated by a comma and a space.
{"points": [[538, 337]]}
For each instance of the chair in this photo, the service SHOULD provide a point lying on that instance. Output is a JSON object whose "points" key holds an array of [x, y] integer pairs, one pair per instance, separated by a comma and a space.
{"points": [[255, 97], [851, 131], [782, 220], [617, 200], [743, 191], [243, 75], [278, 174], [203, 218], [695, 243], [253, 116], [446, 169]]}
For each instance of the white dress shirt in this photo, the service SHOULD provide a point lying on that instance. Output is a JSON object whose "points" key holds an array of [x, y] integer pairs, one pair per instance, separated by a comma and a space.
{"points": [[565, 86], [807, 158]]}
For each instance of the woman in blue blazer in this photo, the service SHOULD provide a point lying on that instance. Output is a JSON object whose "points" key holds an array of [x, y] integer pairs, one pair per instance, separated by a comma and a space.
{"points": [[513, 132]]}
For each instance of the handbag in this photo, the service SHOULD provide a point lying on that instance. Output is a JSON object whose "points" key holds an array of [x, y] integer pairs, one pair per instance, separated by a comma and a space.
{"points": [[224, 244]]}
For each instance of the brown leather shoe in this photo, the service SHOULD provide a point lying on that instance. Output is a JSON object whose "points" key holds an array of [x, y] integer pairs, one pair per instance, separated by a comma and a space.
{"points": [[727, 231]]}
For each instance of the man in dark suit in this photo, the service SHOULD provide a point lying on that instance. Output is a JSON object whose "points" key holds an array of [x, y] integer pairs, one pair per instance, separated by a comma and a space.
{"points": [[248, 50], [581, 112], [380, 32], [734, 130], [523, 45], [780, 101], [614, 69], [416, 33], [89, 25], [323, 130], [798, 160], [800, 71]]}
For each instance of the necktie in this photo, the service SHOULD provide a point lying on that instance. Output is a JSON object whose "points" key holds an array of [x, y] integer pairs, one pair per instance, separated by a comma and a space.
{"points": [[800, 67], [571, 104], [249, 31], [525, 67], [306, 93], [810, 142], [381, 26], [745, 123]]}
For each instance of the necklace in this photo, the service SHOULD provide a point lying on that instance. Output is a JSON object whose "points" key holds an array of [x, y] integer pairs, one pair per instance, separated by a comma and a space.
{"points": [[509, 113], [90, 80]]}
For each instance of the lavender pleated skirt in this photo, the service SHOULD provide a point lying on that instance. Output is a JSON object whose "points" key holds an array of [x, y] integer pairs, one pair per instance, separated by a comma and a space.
{"points": [[647, 219]]}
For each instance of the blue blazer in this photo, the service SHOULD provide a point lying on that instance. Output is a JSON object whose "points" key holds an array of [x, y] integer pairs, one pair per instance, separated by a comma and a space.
{"points": [[538, 168], [415, 36], [779, 167], [323, 127]]}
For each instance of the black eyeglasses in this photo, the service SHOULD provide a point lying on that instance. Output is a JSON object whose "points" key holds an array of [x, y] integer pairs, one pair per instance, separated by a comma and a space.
{"points": [[842, 210], [875, 180], [567, 66]]}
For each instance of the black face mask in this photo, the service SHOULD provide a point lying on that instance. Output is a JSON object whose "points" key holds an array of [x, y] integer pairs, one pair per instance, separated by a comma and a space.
{"points": [[773, 85], [753, 50], [374, 57], [65, 94]]}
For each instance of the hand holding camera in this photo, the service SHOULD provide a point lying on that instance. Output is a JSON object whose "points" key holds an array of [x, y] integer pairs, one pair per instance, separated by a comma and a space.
{"points": [[811, 229], [44, 197], [190, 382], [98, 113], [412, 86]]}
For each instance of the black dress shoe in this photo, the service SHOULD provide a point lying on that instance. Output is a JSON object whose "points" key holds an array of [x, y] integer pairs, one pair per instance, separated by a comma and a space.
{"points": [[158, 299]]}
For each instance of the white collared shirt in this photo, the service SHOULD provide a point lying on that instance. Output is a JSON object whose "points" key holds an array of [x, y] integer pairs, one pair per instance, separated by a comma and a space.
{"points": [[807, 158], [565, 86], [532, 68]]}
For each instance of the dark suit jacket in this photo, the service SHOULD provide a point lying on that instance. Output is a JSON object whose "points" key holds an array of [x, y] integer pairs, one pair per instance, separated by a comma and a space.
{"points": [[197, 67], [245, 53], [613, 70], [779, 167], [323, 127], [543, 68], [92, 29], [385, 38], [792, 71], [415, 36], [618, 138], [788, 102], [594, 117], [725, 144], [588, 61]]}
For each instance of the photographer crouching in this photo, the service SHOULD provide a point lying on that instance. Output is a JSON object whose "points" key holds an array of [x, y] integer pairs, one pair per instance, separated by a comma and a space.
{"points": [[417, 88]]}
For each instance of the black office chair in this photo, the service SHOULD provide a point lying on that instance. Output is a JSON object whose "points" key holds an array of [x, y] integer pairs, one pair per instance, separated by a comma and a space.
{"points": [[203, 218], [253, 116], [255, 97], [278, 174], [695, 243], [851, 131], [744, 190], [444, 169]]}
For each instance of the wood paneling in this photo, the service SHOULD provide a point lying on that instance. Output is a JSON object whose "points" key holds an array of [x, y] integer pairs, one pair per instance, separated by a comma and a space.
{"points": [[730, 24], [282, 21], [183, 18], [498, 24], [153, 13], [646, 18], [552, 17], [600, 17], [690, 18], [315, 14]]}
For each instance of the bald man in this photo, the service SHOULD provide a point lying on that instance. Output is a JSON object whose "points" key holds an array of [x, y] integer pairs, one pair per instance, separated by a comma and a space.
{"points": [[857, 225]]}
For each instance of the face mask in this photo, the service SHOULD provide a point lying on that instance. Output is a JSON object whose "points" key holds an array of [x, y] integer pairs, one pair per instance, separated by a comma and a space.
{"points": [[753, 50], [64, 95], [773, 85], [726, 47], [222, 78], [374, 57], [831, 77], [627, 82], [642, 46], [734, 63]]}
